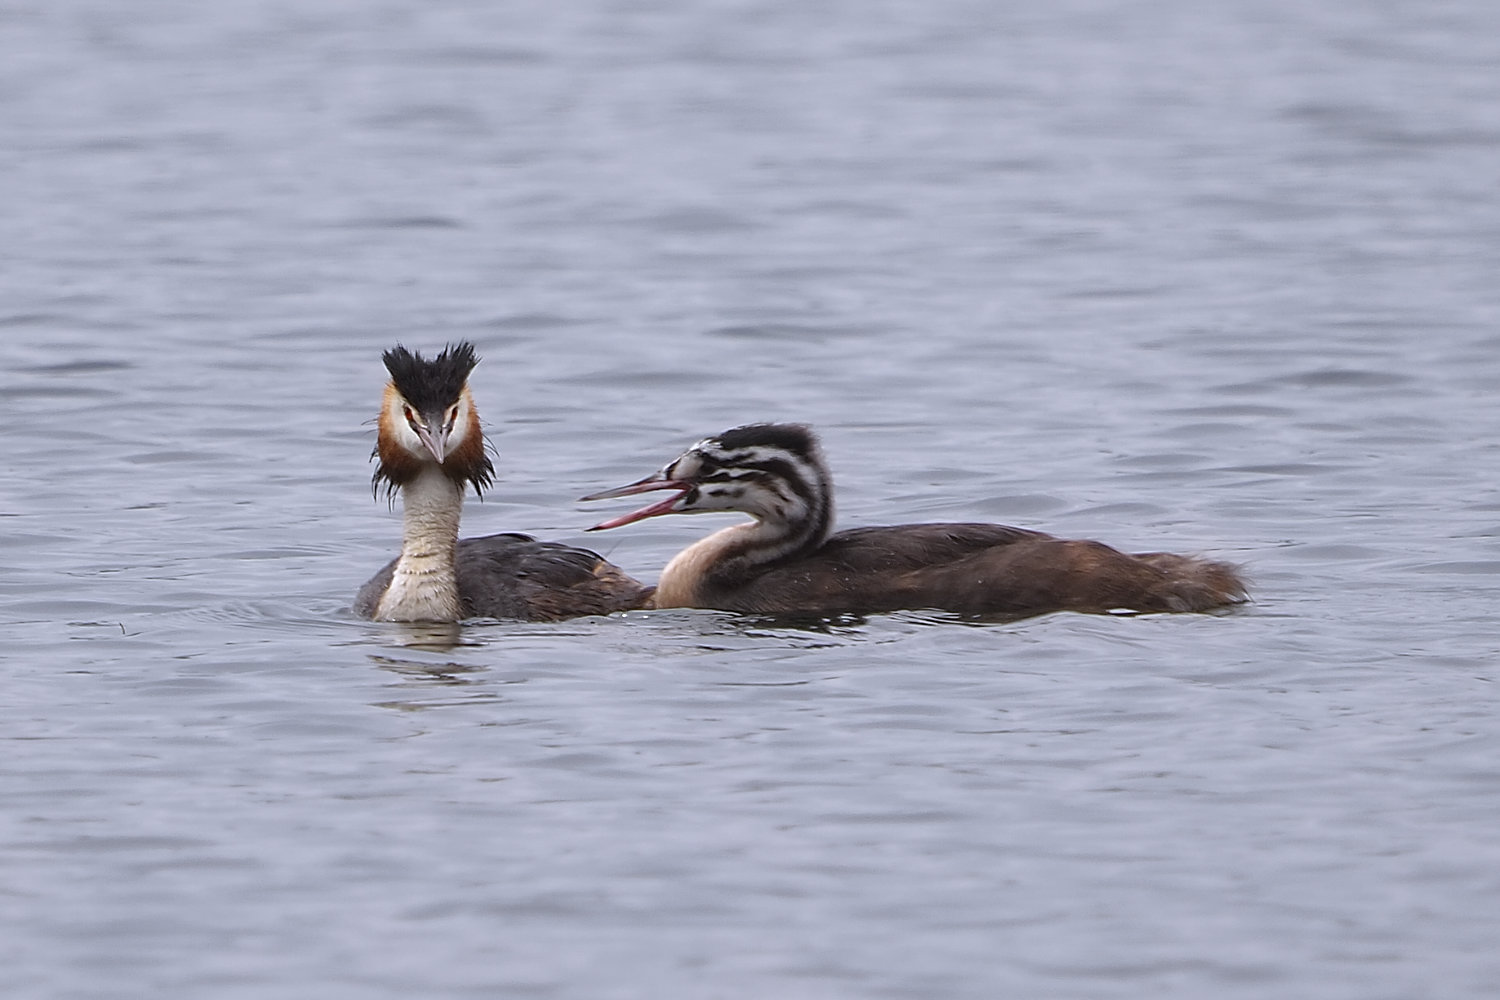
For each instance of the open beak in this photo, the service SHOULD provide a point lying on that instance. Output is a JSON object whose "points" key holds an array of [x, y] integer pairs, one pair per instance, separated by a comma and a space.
{"points": [[655, 481]]}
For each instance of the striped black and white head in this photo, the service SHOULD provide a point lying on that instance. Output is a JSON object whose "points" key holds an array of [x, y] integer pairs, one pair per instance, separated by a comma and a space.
{"points": [[428, 418], [773, 472]]}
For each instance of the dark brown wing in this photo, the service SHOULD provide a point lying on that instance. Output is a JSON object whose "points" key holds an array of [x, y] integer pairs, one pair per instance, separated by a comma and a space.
{"points": [[979, 569], [873, 569], [516, 576], [368, 598], [908, 547]]}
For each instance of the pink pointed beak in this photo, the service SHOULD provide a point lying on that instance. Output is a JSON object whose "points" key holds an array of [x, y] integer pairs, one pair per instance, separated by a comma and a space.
{"points": [[437, 444], [655, 481], [434, 434]]}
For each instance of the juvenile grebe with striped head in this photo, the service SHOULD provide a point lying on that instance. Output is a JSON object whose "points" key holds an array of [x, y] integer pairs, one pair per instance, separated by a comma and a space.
{"points": [[431, 449], [788, 560]]}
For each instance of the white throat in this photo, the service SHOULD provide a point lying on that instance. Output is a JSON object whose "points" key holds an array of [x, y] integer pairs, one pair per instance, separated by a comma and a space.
{"points": [[424, 586], [727, 553]]}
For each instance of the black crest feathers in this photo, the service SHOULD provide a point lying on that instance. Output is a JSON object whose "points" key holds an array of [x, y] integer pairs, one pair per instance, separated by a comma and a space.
{"points": [[431, 385], [795, 438]]}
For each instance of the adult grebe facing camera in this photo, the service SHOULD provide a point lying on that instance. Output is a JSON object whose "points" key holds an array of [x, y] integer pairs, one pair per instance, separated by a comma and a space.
{"points": [[431, 449]]}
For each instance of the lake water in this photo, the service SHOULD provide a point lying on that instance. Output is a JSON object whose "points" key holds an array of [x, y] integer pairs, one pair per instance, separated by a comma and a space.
{"points": [[1218, 278]]}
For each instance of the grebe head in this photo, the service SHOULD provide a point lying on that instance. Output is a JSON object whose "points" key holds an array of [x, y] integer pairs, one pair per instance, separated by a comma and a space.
{"points": [[773, 472], [428, 418]]}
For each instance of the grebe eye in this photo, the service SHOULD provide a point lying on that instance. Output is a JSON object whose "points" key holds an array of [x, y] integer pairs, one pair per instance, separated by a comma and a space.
{"points": [[411, 417]]}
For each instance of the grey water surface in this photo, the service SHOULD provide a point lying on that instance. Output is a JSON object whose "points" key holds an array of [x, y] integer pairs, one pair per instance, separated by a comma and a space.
{"points": [[1218, 278]]}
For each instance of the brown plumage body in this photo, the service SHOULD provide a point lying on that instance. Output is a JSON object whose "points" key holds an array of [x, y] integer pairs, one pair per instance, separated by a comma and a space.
{"points": [[515, 576], [966, 568], [788, 561], [431, 448]]}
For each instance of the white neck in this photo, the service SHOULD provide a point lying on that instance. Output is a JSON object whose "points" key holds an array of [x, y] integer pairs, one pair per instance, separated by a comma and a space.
{"points": [[424, 586], [723, 560]]}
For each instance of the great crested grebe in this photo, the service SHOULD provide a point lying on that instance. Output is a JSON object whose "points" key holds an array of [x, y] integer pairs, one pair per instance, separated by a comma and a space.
{"points": [[788, 560], [431, 448]]}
